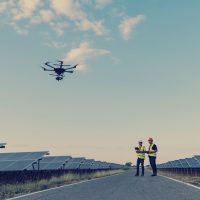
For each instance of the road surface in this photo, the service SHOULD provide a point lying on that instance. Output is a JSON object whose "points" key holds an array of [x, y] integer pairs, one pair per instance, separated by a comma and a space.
{"points": [[121, 187]]}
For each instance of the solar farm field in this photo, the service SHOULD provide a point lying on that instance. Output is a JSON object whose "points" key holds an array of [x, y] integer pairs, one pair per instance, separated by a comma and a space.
{"points": [[30, 166], [186, 170]]}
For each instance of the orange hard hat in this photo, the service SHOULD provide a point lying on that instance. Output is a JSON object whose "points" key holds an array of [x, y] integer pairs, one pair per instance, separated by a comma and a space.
{"points": [[150, 139]]}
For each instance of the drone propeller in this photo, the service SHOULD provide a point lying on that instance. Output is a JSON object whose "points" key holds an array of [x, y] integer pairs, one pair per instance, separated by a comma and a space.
{"points": [[61, 76], [53, 74], [47, 64], [59, 61], [71, 67], [61, 64], [69, 71]]}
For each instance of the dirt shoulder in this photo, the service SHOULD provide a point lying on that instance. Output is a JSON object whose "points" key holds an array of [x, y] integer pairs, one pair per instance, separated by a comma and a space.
{"points": [[13, 190], [194, 180]]}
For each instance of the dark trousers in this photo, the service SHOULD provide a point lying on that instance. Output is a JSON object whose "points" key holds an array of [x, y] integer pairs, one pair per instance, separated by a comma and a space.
{"points": [[152, 160], [140, 161]]}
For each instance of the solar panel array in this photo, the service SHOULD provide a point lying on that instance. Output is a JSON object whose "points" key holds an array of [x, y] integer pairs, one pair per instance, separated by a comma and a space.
{"points": [[192, 163], [41, 161], [20, 161], [53, 162]]}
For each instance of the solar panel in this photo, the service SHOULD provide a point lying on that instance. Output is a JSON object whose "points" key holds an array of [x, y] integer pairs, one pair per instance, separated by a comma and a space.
{"points": [[90, 161], [77, 160], [51, 166], [54, 159], [54, 162], [197, 158], [95, 166], [72, 165], [114, 166], [4, 164], [20, 161], [85, 166], [176, 164], [193, 163], [19, 165], [184, 163], [22, 156]]}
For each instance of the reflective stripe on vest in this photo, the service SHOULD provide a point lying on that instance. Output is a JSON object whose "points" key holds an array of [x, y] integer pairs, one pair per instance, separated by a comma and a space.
{"points": [[151, 149], [141, 155]]}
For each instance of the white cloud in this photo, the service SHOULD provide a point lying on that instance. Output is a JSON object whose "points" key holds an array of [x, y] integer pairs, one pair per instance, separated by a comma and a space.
{"points": [[128, 24], [44, 16], [73, 10], [19, 30], [69, 8], [102, 3], [56, 13], [83, 53], [54, 44], [3, 6], [26, 9], [59, 27], [96, 26]]}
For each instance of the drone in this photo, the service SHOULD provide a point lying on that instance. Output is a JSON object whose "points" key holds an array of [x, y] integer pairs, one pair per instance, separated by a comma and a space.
{"points": [[60, 70]]}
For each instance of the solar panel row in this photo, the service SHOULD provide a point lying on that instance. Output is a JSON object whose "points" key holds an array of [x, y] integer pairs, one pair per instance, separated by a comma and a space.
{"points": [[193, 162], [20, 161], [41, 161]]}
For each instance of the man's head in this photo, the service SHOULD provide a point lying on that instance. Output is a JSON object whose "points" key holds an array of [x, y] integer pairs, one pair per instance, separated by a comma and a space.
{"points": [[150, 140], [140, 142]]}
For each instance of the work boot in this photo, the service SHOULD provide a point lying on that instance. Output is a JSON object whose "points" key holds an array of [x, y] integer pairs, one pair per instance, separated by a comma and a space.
{"points": [[137, 175], [154, 175]]}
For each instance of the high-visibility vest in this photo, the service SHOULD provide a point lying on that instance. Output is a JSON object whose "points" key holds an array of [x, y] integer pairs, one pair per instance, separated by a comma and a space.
{"points": [[151, 149], [141, 155]]}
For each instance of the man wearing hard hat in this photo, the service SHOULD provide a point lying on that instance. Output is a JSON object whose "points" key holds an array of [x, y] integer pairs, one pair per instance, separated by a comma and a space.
{"points": [[152, 156], [140, 150]]}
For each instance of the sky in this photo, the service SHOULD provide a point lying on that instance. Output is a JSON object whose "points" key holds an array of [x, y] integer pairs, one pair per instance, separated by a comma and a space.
{"points": [[138, 77]]}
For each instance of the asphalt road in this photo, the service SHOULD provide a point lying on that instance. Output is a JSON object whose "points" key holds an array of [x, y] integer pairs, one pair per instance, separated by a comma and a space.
{"points": [[121, 187]]}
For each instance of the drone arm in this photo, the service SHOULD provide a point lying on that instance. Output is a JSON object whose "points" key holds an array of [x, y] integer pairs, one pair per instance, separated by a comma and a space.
{"points": [[71, 67], [69, 71], [48, 70], [47, 64]]}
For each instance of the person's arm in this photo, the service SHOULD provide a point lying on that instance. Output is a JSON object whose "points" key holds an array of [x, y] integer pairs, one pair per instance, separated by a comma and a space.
{"points": [[154, 149], [136, 149], [143, 151]]}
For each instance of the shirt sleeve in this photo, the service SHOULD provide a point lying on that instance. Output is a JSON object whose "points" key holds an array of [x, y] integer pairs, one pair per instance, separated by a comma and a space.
{"points": [[155, 148]]}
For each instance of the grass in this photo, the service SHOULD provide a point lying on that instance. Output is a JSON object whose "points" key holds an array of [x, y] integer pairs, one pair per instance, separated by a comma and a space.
{"points": [[194, 180], [13, 190]]}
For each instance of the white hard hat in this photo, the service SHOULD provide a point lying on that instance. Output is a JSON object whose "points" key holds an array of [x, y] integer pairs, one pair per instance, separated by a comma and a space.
{"points": [[140, 141]]}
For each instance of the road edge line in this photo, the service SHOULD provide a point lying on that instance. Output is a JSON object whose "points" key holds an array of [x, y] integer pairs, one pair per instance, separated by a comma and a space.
{"points": [[188, 184], [62, 186]]}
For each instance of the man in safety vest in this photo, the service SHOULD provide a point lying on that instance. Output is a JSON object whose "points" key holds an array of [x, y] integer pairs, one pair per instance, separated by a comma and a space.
{"points": [[140, 150], [152, 156]]}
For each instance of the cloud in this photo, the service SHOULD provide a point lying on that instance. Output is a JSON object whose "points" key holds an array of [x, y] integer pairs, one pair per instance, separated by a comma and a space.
{"points": [[20, 30], [127, 26], [54, 44], [3, 6], [72, 9], [83, 53], [96, 26], [26, 9], [102, 3], [44, 16], [69, 8], [55, 13]]}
